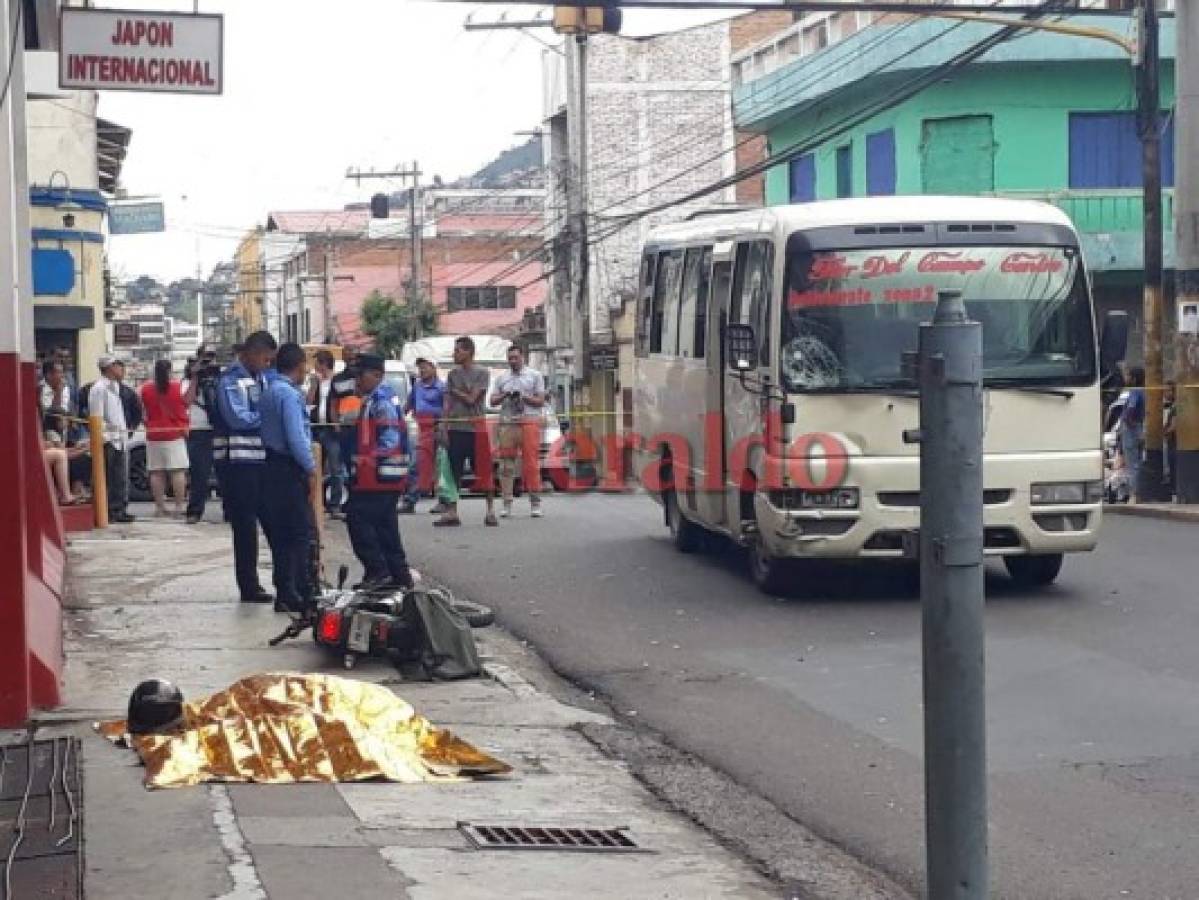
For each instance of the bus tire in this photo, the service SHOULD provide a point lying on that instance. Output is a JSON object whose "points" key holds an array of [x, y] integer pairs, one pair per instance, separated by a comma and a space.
{"points": [[769, 573], [1035, 570], [687, 536]]}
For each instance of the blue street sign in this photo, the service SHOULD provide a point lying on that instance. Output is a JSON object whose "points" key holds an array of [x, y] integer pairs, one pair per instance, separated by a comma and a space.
{"points": [[136, 218]]}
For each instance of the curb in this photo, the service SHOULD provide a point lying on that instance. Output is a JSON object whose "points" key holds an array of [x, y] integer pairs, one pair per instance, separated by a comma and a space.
{"points": [[1167, 513]]}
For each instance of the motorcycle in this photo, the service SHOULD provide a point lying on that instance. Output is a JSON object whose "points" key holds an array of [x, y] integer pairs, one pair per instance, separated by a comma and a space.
{"points": [[375, 623]]}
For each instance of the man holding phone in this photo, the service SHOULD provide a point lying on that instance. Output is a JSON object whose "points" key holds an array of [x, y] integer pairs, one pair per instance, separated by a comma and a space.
{"points": [[520, 395]]}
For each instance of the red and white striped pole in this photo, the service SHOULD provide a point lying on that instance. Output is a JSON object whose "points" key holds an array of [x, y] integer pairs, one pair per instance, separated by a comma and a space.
{"points": [[32, 558]]}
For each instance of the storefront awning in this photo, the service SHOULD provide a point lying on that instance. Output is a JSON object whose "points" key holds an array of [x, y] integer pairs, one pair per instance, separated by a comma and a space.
{"points": [[112, 143]]}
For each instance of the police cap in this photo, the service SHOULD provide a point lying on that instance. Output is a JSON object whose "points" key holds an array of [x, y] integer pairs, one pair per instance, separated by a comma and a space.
{"points": [[369, 362]]}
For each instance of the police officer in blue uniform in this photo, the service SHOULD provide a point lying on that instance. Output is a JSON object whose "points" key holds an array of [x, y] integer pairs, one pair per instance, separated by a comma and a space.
{"points": [[240, 456], [287, 481], [379, 479]]}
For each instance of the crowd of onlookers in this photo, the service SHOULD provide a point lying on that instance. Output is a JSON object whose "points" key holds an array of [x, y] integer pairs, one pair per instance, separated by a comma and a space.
{"points": [[179, 450]]}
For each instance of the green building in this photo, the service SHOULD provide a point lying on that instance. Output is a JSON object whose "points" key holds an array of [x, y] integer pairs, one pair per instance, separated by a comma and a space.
{"points": [[1042, 116]]}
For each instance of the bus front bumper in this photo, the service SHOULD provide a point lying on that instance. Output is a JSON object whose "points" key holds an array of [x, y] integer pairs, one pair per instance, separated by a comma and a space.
{"points": [[886, 522]]}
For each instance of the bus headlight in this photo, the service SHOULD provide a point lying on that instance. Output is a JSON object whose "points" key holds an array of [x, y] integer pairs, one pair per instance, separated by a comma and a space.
{"points": [[839, 498], [1058, 492]]}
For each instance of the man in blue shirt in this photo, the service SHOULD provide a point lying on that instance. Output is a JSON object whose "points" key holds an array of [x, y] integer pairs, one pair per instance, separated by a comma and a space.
{"points": [[379, 476], [239, 456], [287, 482], [426, 402]]}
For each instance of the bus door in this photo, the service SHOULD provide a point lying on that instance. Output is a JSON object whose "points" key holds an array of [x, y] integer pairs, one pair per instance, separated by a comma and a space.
{"points": [[715, 460], [745, 407]]}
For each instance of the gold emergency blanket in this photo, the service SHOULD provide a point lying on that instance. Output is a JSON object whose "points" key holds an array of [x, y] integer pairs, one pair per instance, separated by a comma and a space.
{"points": [[283, 728]]}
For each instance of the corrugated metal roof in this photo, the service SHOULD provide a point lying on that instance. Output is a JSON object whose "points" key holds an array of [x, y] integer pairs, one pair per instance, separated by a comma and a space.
{"points": [[313, 221]]}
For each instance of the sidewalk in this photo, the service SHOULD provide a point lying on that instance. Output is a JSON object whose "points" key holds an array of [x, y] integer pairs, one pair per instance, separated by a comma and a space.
{"points": [[1171, 511], [156, 599]]}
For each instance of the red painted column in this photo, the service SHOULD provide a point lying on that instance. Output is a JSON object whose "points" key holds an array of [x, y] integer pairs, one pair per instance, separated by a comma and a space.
{"points": [[15, 696]]}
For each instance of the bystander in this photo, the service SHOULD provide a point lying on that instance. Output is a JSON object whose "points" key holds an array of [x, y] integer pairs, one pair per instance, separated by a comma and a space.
{"points": [[465, 427], [426, 403], [324, 421], [520, 395], [104, 401]]}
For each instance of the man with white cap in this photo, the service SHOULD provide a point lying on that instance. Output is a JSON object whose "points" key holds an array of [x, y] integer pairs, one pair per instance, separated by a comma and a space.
{"points": [[104, 400]]}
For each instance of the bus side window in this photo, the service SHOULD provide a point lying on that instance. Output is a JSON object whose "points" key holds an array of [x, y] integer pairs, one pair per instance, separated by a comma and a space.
{"points": [[693, 310], [702, 301], [644, 301], [739, 270], [752, 282], [664, 327]]}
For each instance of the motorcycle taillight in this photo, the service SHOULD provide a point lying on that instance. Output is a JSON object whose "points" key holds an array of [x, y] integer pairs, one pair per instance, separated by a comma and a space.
{"points": [[329, 627]]}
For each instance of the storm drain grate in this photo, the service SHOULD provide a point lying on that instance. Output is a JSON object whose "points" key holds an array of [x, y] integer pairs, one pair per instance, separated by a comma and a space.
{"points": [[550, 837]]}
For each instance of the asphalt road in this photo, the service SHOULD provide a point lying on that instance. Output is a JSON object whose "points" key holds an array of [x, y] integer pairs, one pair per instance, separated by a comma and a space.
{"points": [[814, 701]]}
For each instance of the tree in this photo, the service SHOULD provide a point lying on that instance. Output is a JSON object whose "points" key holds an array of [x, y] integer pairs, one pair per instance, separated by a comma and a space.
{"points": [[393, 324]]}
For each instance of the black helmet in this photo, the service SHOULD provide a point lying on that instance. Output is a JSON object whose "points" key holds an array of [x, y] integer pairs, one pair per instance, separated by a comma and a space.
{"points": [[155, 706]]}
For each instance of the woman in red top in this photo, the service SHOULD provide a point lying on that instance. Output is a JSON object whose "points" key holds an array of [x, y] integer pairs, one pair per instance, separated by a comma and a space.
{"points": [[166, 428]]}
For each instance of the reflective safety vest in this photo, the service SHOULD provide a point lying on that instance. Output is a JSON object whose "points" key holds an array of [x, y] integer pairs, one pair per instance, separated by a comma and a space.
{"points": [[235, 442], [375, 469]]}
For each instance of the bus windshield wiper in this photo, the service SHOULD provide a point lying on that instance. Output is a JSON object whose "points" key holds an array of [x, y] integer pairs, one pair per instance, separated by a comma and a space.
{"points": [[887, 388], [1029, 389]]}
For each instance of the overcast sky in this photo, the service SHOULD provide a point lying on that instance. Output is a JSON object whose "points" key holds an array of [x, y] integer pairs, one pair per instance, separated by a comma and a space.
{"points": [[312, 88]]}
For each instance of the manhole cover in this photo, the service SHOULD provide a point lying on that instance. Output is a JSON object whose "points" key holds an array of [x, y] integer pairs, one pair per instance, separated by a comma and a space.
{"points": [[550, 837], [41, 812]]}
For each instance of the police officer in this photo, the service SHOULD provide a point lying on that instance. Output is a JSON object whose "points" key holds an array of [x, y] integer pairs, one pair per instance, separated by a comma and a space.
{"points": [[379, 479], [240, 456], [287, 481]]}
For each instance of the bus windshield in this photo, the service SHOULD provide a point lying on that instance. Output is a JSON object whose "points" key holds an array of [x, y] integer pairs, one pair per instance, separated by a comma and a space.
{"points": [[850, 315]]}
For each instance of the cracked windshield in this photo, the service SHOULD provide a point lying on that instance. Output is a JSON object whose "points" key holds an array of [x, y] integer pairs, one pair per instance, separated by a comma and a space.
{"points": [[850, 315]]}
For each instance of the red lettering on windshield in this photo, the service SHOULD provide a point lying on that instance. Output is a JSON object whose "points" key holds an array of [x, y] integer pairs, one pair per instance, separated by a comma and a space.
{"points": [[830, 268], [1023, 263], [956, 263], [853, 297], [877, 266]]}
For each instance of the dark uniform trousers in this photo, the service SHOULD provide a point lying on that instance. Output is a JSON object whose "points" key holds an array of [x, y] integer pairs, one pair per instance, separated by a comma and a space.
{"points": [[243, 494], [293, 528], [371, 519]]}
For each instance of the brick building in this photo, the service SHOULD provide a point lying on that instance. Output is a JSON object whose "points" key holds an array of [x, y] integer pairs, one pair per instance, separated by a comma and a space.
{"points": [[659, 126], [476, 265]]}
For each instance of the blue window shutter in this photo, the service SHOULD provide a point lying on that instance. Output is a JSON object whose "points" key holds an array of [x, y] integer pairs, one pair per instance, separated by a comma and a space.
{"points": [[803, 179], [1105, 151], [880, 163], [53, 272]]}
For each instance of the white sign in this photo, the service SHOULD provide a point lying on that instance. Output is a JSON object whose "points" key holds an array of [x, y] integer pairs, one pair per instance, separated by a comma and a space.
{"points": [[125, 50], [1188, 317]]}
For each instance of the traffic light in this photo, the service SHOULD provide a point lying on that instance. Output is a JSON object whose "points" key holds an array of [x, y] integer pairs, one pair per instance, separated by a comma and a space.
{"points": [[587, 19]]}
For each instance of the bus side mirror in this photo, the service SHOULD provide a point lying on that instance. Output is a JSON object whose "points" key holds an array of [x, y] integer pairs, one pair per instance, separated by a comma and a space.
{"points": [[1113, 341], [741, 347]]}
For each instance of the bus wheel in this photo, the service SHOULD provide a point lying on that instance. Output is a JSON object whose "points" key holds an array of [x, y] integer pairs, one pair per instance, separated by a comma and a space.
{"points": [[769, 573], [1034, 571], [687, 536]]}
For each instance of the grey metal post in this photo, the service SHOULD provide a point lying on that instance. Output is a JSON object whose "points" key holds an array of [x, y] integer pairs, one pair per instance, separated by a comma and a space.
{"points": [[1186, 235], [949, 367]]}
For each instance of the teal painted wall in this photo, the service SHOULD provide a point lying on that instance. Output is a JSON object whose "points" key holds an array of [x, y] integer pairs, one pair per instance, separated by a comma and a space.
{"points": [[1029, 104]]}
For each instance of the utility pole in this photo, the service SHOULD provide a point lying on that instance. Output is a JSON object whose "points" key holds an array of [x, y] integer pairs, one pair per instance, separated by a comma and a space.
{"points": [[1151, 484], [576, 200], [415, 226], [415, 291], [948, 369], [1186, 232]]}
